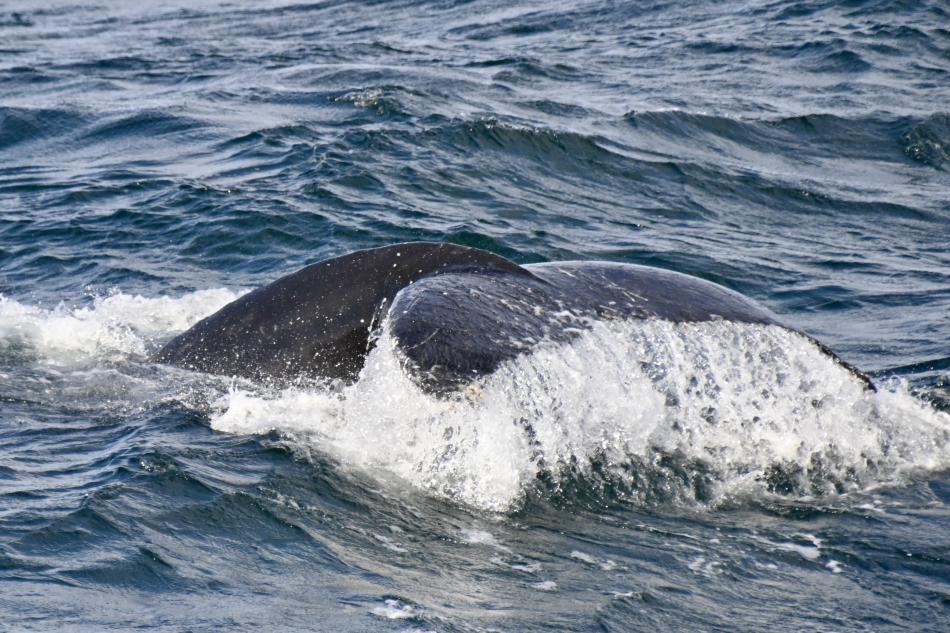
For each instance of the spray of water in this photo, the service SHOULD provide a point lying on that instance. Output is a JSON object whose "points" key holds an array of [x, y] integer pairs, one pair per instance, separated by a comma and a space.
{"points": [[646, 410], [116, 327], [639, 410]]}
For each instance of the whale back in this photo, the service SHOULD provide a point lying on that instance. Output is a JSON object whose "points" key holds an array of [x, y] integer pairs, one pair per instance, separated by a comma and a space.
{"points": [[316, 322]]}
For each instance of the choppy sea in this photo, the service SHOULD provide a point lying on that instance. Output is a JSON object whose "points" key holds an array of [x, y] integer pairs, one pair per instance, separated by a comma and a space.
{"points": [[157, 159]]}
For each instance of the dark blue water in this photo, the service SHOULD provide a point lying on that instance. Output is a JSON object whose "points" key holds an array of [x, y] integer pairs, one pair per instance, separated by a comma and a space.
{"points": [[155, 161]]}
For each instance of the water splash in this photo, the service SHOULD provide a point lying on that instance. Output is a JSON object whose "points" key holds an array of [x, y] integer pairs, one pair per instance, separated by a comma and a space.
{"points": [[116, 327], [639, 411], [643, 411]]}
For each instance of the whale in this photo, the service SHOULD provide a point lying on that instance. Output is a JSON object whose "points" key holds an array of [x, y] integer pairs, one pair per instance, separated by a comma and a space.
{"points": [[455, 314]]}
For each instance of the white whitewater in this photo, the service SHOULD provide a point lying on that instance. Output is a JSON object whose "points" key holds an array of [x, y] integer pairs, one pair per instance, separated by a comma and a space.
{"points": [[736, 401]]}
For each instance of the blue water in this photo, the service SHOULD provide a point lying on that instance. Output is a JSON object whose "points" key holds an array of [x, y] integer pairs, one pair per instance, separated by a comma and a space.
{"points": [[159, 158]]}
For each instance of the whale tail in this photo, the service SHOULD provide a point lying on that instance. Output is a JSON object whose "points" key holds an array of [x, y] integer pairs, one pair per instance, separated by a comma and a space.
{"points": [[317, 321], [456, 314]]}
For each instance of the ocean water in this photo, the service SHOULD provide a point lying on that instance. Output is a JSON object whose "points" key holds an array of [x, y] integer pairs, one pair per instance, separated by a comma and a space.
{"points": [[157, 159]]}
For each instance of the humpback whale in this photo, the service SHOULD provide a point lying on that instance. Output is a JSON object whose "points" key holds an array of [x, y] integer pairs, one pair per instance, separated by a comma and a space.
{"points": [[455, 314]]}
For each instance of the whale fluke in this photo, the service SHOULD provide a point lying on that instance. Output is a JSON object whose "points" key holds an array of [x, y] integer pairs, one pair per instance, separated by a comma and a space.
{"points": [[455, 313]]}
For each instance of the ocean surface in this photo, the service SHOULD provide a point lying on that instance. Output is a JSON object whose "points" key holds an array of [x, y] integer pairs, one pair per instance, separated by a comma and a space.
{"points": [[157, 159]]}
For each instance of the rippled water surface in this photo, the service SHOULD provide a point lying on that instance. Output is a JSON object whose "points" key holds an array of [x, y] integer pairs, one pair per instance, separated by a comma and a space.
{"points": [[157, 159]]}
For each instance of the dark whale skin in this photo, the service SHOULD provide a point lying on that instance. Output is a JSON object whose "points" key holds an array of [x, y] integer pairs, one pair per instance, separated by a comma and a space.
{"points": [[316, 322], [455, 314]]}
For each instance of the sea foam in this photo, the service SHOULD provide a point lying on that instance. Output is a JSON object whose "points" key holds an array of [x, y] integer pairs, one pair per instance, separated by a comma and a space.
{"points": [[640, 410], [118, 326], [648, 409]]}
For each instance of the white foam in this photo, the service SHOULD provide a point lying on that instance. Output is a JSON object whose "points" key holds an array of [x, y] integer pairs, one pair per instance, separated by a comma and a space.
{"points": [[528, 568], [808, 553], [700, 565], [739, 399], [583, 557], [474, 536], [395, 610], [384, 422], [390, 544], [605, 565], [115, 327]]}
